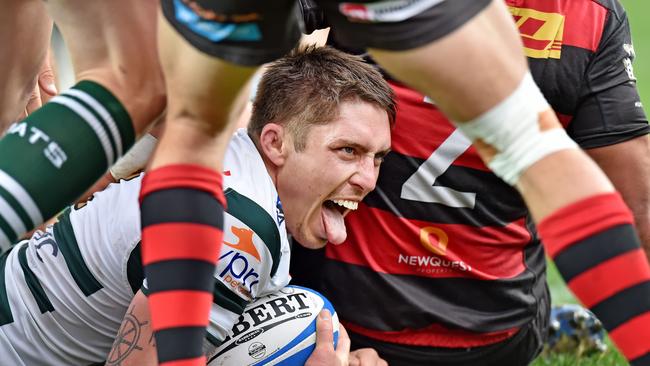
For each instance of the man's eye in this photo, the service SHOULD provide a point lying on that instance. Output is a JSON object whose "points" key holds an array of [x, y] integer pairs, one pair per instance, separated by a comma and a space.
{"points": [[348, 150]]}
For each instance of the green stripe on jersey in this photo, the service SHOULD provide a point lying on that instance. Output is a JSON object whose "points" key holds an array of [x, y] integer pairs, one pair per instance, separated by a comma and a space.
{"points": [[212, 339], [64, 236], [227, 299], [8, 231], [44, 304], [17, 207], [256, 218], [134, 270], [5, 309]]}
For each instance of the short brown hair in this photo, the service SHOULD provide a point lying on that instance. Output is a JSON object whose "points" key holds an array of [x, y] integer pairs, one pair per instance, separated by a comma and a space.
{"points": [[307, 87]]}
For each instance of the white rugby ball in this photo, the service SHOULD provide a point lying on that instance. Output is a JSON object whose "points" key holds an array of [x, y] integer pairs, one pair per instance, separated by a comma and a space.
{"points": [[278, 329]]}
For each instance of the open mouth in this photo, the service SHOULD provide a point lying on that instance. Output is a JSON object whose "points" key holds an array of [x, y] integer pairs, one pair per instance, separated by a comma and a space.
{"points": [[332, 216], [342, 206]]}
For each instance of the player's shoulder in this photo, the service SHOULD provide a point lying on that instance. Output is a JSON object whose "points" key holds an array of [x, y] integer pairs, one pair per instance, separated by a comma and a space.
{"points": [[614, 7]]}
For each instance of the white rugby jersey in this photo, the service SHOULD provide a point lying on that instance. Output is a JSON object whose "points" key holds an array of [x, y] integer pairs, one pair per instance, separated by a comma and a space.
{"points": [[65, 291]]}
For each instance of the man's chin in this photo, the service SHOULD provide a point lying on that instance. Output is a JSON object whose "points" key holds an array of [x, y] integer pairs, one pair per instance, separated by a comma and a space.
{"points": [[311, 243]]}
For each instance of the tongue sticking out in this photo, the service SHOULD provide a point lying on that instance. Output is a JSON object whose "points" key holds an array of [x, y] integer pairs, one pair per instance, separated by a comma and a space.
{"points": [[334, 225]]}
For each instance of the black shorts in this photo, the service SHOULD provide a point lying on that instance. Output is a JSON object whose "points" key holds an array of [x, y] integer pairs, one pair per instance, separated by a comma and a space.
{"points": [[252, 32], [519, 350]]}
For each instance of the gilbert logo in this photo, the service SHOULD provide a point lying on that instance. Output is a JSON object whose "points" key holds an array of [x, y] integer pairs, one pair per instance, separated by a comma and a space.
{"points": [[439, 243], [540, 32], [245, 242]]}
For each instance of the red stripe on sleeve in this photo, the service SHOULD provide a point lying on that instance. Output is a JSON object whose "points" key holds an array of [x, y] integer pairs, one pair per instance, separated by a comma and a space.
{"points": [[582, 219], [610, 277], [199, 361], [184, 176], [180, 240], [632, 337], [181, 308]]}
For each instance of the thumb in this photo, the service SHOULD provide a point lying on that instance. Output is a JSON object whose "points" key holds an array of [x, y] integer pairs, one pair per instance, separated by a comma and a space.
{"points": [[46, 76], [46, 82], [324, 331]]}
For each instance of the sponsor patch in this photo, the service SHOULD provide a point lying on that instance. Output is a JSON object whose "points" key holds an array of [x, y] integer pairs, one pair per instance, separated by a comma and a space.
{"points": [[385, 11], [541, 32]]}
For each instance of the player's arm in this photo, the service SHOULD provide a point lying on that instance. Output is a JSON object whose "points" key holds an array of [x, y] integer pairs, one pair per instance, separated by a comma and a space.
{"points": [[134, 343], [610, 122], [627, 164]]}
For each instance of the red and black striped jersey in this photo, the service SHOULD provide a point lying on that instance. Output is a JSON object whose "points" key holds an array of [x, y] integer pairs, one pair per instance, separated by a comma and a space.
{"points": [[443, 252]]}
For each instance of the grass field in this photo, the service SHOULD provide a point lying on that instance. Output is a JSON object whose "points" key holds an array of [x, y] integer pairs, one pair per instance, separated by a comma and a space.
{"points": [[638, 11]]}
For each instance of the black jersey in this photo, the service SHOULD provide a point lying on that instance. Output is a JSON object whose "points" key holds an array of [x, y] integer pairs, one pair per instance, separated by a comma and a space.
{"points": [[443, 253]]}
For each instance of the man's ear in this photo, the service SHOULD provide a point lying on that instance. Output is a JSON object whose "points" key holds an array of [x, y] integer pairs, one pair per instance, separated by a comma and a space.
{"points": [[273, 142]]}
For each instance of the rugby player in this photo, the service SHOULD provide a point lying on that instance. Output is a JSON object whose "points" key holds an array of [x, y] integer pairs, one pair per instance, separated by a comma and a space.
{"points": [[66, 290], [449, 250], [464, 54], [74, 138]]}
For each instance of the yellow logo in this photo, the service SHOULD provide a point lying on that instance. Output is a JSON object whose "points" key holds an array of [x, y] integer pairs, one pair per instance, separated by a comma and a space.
{"points": [[439, 244], [540, 32]]}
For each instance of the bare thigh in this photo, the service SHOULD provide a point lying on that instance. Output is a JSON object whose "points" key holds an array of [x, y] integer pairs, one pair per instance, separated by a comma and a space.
{"points": [[114, 43], [24, 35]]}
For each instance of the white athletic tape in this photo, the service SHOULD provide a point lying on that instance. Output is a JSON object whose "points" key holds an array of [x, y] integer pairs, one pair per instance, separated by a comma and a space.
{"points": [[135, 159], [512, 128]]}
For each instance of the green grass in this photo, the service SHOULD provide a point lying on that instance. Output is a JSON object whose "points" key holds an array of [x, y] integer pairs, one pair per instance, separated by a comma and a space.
{"points": [[561, 295], [638, 11]]}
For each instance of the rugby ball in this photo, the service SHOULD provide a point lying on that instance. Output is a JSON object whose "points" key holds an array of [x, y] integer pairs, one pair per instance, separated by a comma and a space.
{"points": [[278, 329]]}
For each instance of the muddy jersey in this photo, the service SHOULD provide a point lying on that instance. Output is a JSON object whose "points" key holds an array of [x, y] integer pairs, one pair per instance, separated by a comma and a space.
{"points": [[64, 292], [443, 253]]}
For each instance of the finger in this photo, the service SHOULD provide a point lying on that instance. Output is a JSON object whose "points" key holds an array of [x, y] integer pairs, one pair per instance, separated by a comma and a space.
{"points": [[46, 80], [34, 102], [343, 346], [368, 357], [324, 332]]}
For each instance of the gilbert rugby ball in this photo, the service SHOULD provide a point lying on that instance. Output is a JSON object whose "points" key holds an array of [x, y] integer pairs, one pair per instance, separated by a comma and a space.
{"points": [[278, 329]]}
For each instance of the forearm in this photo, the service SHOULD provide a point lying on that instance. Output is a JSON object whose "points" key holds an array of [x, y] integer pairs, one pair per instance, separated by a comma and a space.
{"points": [[134, 343]]}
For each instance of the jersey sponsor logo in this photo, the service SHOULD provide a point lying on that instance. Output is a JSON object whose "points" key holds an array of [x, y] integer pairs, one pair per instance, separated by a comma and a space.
{"points": [[240, 265], [43, 239], [439, 244], [279, 212], [541, 32], [627, 61], [209, 14], [217, 27], [385, 11], [434, 240], [244, 242]]}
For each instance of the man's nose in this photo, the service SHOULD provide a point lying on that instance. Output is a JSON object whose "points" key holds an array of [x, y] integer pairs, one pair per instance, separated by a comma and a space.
{"points": [[366, 175]]}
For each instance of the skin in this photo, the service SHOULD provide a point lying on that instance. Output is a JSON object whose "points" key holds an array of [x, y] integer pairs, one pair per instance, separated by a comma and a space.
{"points": [[18, 83], [197, 127], [340, 161], [110, 42], [478, 80], [627, 164], [135, 345], [114, 44]]}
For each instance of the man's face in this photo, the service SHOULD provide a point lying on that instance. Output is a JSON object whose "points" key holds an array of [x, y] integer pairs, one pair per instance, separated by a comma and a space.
{"points": [[339, 165]]}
